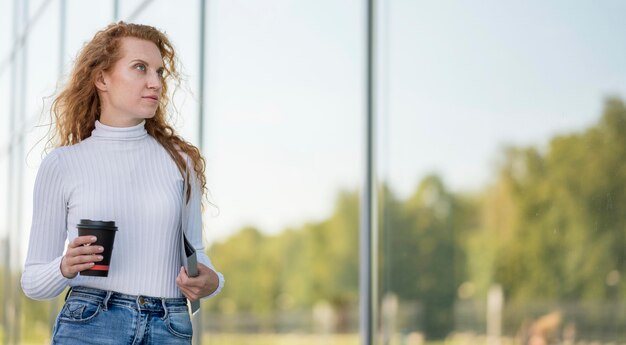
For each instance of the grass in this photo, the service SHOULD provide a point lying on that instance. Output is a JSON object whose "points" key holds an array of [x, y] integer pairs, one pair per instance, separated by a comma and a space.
{"points": [[280, 339]]}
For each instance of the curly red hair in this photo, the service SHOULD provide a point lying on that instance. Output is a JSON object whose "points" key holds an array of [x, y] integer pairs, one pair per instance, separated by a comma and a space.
{"points": [[77, 107]]}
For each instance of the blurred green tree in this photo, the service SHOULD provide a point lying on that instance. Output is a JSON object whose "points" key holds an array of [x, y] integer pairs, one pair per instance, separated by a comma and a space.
{"points": [[549, 227], [565, 233]]}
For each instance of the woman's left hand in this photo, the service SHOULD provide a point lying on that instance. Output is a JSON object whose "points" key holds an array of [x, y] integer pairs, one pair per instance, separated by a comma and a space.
{"points": [[200, 286]]}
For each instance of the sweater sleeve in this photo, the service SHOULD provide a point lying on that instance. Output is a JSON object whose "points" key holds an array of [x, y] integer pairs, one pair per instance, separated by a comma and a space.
{"points": [[194, 230], [42, 278]]}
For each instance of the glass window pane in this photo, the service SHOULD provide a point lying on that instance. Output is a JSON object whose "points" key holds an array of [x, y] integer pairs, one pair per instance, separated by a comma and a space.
{"points": [[503, 166], [283, 106], [284, 136]]}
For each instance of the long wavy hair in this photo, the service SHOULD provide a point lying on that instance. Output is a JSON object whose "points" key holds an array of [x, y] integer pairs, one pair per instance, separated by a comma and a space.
{"points": [[77, 107]]}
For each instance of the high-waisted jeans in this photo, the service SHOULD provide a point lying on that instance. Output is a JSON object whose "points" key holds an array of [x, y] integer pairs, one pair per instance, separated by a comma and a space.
{"points": [[99, 317]]}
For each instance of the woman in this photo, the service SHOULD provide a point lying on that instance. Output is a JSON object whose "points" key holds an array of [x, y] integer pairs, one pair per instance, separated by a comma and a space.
{"points": [[118, 159]]}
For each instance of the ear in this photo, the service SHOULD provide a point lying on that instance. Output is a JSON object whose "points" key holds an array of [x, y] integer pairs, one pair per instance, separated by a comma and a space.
{"points": [[100, 82]]}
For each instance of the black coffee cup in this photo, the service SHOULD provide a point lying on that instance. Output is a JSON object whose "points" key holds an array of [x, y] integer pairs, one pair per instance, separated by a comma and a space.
{"points": [[105, 234]]}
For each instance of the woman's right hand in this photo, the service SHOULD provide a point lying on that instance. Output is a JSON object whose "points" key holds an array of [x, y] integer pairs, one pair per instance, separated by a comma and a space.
{"points": [[80, 255]]}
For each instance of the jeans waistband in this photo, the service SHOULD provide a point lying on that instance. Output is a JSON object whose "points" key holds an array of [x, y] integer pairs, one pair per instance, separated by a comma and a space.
{"points": [[142, 303]]}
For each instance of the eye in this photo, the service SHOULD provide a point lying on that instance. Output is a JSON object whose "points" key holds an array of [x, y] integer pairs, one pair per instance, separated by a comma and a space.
{"points": [[161, 72], [140, 67]]}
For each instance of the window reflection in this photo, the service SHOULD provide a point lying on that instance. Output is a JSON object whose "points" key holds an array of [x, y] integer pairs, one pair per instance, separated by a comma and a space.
{"points": [[502, 148], [503, 173]]}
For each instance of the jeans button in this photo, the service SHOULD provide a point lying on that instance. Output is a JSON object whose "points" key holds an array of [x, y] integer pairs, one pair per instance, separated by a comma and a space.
{"points": [[141, 300]]}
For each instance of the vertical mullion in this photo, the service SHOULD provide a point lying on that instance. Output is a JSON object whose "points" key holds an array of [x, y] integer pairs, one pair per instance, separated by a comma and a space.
{"points": [[368, 280]]}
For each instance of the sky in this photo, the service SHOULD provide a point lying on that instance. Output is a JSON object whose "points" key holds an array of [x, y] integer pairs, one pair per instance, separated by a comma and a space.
{"points": [[463, 81], [285, 91]]}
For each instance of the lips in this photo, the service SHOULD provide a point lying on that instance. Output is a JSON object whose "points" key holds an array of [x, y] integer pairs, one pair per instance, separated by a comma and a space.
{"points": [[154, 98]]}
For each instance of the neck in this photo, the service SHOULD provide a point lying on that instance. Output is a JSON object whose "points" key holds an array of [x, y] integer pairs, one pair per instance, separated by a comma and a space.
{"points": [[109, 132]]}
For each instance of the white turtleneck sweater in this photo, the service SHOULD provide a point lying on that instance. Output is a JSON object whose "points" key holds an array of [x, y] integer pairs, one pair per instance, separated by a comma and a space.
{"points": [[123, 175]]}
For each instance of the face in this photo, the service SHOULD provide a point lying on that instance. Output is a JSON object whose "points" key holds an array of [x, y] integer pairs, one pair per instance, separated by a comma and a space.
{"points": [[130, 91]]}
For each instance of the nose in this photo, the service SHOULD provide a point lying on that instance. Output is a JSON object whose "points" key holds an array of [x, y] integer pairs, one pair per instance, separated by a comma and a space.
{"points": [[154, 81]]}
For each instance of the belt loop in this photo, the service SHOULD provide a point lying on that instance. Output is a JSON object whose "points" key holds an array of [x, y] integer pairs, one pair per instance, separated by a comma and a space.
{"points": [[165, 311], [67, 294], [105, 302]]}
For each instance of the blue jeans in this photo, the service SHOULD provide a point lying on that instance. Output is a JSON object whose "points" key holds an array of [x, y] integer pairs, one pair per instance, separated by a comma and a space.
{"points": [[98, 317]]}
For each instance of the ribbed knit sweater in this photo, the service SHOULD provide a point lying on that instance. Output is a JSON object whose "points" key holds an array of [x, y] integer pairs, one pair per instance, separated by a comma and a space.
{"points": [[123, 175]]}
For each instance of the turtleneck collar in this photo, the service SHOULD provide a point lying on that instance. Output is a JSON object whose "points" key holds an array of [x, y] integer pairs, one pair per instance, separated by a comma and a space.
{"points": [[119, 133]]}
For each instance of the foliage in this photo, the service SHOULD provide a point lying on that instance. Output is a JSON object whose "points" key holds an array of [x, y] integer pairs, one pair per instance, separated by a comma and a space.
{"points": [[549, 227], [565, 233]]}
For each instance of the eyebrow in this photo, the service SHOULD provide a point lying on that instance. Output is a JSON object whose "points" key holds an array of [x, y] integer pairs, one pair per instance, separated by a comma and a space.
{"points": [[144, 62]]}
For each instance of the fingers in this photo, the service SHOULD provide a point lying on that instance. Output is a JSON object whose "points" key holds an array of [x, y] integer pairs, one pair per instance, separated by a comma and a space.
{"points": [[80, 255], [82, 240], [187, 281], [190, 287], [197, 287], [189, 294]]}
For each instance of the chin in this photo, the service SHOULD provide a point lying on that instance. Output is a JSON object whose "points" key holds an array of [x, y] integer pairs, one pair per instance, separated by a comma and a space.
{"points": [[147, 116]]}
